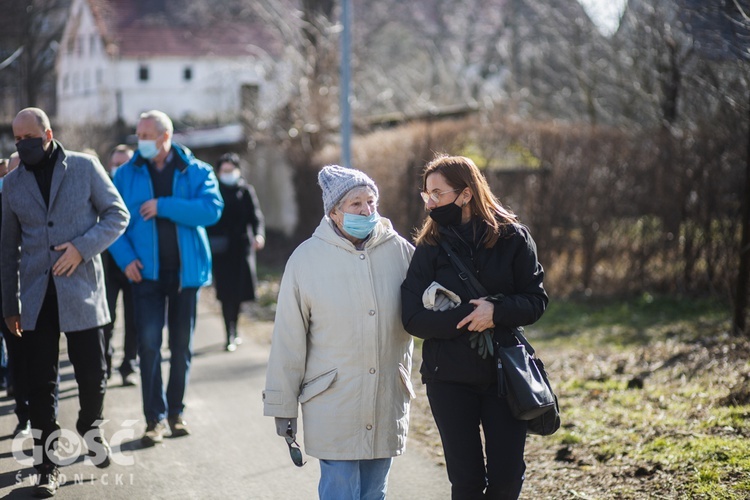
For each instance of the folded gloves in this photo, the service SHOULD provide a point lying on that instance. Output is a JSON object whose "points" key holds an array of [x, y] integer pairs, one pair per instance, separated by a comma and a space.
{"points": [[438, 298]]}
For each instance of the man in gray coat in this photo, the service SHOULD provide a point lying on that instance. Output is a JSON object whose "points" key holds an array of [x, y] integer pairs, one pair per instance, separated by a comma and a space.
{"points": [[60, 211]]}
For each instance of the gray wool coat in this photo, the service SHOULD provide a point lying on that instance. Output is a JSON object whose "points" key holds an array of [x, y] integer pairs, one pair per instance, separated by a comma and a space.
{"points": [[84, 209]]}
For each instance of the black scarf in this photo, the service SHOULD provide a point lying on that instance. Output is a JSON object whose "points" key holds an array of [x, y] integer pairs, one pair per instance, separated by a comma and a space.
{"points": [[44, 169]]}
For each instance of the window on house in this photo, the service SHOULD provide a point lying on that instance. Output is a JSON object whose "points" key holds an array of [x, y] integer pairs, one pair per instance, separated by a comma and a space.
{"points": [[66, 82], [187, 73], [92, 45], [143, 73], [99, 76], [79, 45]]}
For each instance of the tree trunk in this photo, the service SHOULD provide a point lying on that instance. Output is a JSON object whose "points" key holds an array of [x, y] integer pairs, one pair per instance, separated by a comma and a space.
{"points": [[740, 303]]}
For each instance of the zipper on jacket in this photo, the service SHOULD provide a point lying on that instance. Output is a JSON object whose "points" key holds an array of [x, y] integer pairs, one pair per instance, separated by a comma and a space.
{"points": [[153, 225], [437, 351], [176, 229], [471, 252]]}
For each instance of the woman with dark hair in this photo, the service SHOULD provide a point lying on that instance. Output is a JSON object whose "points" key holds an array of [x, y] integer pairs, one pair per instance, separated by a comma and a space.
{"points": [[461, 378], [234, 241]]}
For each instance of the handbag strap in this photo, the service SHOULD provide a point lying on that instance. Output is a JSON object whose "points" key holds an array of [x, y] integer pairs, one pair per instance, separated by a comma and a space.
{"points": [[472, 282], [463, 272], [522, 338]]}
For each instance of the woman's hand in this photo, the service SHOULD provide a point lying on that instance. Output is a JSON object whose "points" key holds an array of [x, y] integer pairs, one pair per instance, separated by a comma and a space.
{"points": [[480, 318]]}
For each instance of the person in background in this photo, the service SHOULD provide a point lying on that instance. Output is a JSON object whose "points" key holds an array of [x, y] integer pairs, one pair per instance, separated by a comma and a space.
{"points": [[461, 381], [4, 361], [234, 241], [60, 211], [117, 282], [165, 254], [338, 348], [4, 369], [13, 161], [17, 377]]}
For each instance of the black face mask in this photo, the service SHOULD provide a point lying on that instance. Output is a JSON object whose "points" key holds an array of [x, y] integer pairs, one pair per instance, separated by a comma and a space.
{"points": [[447, 215], [31, 151]]}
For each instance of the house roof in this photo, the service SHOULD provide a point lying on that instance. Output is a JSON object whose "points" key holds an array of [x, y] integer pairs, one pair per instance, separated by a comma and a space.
{"points": [[132, 30]]}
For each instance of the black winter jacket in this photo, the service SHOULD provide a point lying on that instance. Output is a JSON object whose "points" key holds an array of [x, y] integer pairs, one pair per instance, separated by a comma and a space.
{"points": [[509, 268]]}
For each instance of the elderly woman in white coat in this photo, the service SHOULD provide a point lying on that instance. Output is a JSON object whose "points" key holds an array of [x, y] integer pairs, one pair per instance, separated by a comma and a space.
{"points": [[339, 349]]}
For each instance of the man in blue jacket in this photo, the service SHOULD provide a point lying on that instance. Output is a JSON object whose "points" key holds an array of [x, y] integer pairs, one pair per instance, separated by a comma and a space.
{"points": [[172, 196]]}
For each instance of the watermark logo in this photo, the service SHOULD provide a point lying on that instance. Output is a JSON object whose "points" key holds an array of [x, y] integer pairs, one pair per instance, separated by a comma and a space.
{"points": [[68, 446], [78, 478]]}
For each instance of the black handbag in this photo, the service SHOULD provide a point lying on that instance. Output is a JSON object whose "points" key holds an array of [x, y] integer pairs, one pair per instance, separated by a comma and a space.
{"points": [[521, 377], [523, 381]]}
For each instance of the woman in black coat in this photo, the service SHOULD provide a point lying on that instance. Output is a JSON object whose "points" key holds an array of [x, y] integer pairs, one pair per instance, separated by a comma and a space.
{"points": [[234, 240], [461, 379]]}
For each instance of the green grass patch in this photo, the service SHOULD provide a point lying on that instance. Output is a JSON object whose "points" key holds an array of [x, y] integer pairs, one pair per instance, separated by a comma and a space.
{"points": [[625, 322], [675, 428]]}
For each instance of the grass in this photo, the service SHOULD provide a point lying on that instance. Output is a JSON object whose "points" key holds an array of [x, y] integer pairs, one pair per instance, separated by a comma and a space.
{"points": [[630, 322], [672, 435]]}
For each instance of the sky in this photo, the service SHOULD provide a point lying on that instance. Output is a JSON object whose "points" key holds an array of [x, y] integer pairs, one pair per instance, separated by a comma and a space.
{"points": [[604, 13]]}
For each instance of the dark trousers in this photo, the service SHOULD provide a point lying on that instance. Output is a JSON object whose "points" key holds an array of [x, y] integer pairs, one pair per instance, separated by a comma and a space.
{"points": [[17, 376], [86, 353], [231, 313], [117, 282], [458, 411]]}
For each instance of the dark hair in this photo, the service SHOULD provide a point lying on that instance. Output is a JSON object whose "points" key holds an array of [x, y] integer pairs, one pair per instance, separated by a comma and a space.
{"points": [[232, 158], [461, 173], [120, 148]]}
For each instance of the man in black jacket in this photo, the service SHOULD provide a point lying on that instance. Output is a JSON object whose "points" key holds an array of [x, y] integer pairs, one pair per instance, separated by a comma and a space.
{"points": [[17, 378]]}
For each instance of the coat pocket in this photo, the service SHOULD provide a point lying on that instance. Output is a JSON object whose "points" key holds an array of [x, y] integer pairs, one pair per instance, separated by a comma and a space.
{"points": [[406, 381], [316, 385]]}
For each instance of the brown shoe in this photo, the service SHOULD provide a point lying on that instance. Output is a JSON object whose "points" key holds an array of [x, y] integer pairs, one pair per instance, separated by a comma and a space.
{"points": [[49, 482], [99, 449], [179, 426], [154, 433], [130, 380]]}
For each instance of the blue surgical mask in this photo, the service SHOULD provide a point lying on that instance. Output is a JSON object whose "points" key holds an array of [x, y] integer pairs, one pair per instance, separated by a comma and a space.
{"points": [[147, 149], [360, 226]]}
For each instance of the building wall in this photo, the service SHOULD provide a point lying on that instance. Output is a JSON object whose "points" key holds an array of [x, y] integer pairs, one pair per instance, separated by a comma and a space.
{"points": [[84, 71], [204, 89]]}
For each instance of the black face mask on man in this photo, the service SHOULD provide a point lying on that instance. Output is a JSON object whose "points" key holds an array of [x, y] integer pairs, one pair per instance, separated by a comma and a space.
{"points": [[447, 215], [31, 151]]}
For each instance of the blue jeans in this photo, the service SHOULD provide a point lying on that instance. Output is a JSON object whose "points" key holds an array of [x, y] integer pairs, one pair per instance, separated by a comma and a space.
{"points": [[354, 479], [153, 301]]}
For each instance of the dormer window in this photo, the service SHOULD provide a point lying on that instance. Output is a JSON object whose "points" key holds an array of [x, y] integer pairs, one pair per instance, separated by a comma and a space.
{"points": [[143, 73], [187, 73]]}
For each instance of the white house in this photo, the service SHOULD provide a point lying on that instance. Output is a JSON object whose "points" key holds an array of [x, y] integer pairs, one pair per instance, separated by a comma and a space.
{"points": [[120, 58]]}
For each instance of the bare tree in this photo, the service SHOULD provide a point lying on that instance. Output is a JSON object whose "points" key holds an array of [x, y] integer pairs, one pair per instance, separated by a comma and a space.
{"points": [[41, 24]]}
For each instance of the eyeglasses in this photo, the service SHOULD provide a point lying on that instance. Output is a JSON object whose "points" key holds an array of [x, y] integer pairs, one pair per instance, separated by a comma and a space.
{"points": [[294, 451], [435, 195]]}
